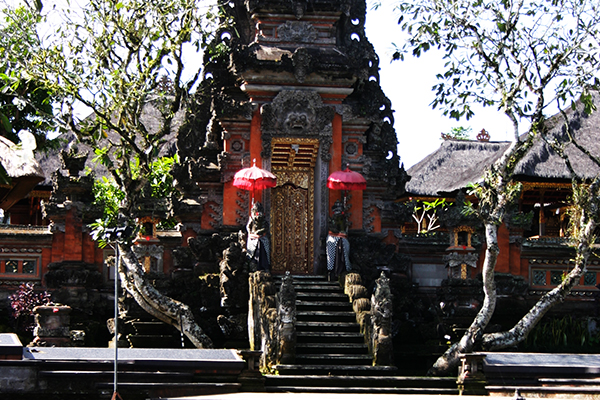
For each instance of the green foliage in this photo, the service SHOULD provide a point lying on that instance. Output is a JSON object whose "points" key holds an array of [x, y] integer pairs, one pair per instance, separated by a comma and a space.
{"points": [[161, 179], [521, 220], [425, 214], [566, 334], [24, 102], [124, 62], [109, 197], [458, 133], [517, 56]]}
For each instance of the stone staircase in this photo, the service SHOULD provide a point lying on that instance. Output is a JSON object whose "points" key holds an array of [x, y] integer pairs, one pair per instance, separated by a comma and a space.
{"points": [[331, 354]]}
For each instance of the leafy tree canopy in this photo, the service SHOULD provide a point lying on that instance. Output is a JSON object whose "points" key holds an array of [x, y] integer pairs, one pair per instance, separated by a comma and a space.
{"points": [[117, 60], [24, 103], [520, 56]]}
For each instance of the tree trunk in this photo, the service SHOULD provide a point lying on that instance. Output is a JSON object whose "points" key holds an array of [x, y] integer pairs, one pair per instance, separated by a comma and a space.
{"points": [[502, 340], [450, 359], [155, 303]]}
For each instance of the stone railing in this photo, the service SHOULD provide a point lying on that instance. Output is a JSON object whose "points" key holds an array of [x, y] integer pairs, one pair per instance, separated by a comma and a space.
{"points": [[374, 315], [272, 319]]}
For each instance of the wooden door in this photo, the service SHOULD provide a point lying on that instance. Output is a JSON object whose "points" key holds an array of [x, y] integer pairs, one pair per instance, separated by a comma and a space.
{"points": [[290, 230]]}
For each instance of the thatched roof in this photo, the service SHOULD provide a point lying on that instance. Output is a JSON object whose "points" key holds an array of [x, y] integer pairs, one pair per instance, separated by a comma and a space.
{"points": [[451, 167], [541, 162], [459, 162], [51, 161], [22, 168]]}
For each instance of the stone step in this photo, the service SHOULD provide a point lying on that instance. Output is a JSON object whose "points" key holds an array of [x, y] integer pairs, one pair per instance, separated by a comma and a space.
{"points": [[368, 389], [323, 305], [322, 296], [329, 337], [362, 381], [138, 390], [324, 316], [123, 376], [328, 359], [319, 288], [323, 326], [341, 370], [154, 341], [321, 348]]}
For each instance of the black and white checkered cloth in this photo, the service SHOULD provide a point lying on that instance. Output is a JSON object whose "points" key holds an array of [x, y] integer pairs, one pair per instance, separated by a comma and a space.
{"points": [[332, 242]]}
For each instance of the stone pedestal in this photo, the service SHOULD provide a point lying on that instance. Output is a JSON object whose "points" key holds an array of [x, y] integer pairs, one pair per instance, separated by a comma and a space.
{"points": [[250, 377], [471, 379], [52, 326]]}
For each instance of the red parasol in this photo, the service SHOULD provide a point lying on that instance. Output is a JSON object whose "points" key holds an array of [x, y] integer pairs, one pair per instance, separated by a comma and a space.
{"points": [[254, 178], [346, 180]]}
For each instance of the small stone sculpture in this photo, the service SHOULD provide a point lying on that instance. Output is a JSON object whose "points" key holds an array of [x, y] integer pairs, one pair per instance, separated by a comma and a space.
{"points": [[258, 246]]}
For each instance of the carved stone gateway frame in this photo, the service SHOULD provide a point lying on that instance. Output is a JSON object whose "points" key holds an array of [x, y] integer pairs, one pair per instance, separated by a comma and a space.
{"points": [[293, 204], [296, 129]]}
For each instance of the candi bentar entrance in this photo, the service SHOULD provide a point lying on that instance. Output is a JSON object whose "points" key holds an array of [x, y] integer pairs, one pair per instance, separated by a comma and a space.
{"points": [[292, 204]]}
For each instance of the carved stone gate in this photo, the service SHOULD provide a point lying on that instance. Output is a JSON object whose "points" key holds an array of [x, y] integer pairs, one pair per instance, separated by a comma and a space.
{"points": [[292, 204]]}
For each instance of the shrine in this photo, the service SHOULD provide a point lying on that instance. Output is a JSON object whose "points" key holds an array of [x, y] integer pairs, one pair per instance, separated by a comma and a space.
{"points": [[299, 97], [292, 201]]}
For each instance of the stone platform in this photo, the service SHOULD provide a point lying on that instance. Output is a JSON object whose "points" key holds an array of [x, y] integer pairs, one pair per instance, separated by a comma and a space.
{"points": [[534, 374], [87, 372]]}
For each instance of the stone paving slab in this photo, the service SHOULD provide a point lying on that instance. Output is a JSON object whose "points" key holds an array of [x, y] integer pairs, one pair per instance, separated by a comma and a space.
{"points": [[10, 345], [325, 396], [542, 360], [127, 354]]}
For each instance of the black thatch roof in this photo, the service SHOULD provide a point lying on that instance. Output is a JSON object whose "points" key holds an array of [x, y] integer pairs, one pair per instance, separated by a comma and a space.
{"points": [[541, 162], [51, 161], [23, 170], [451, 167], [459, 162]]}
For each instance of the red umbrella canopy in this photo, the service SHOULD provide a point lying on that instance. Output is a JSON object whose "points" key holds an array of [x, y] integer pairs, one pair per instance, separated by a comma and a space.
{"points": [[346, 180], [254, 178]]}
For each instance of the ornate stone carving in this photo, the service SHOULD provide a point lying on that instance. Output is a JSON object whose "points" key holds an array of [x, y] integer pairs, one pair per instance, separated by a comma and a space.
{"points": [[216, 215], [301, 60], [458, 264], [297, 31], [299, 7], [146, 253], [233, 276], [297, 113], [381, 314], [286, 310], [242, 201]]}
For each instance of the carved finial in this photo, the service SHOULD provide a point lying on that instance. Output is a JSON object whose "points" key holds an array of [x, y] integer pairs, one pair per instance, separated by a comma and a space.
{"points": [[483, 136]]}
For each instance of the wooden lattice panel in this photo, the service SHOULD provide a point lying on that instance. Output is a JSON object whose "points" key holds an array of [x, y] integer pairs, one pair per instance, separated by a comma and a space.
{"points": [[294, 154]]}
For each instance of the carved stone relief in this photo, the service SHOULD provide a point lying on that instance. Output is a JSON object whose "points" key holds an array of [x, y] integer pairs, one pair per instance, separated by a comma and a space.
{"points": [[301, 60], [297, 113], [297, 31]]}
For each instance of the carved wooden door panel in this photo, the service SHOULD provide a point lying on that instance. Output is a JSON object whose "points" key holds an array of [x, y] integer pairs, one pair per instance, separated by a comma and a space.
{"points": [[290, 229]]}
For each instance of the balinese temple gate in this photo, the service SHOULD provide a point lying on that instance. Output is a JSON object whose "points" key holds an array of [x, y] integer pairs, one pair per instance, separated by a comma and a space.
{"points": [[297, 91]]}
